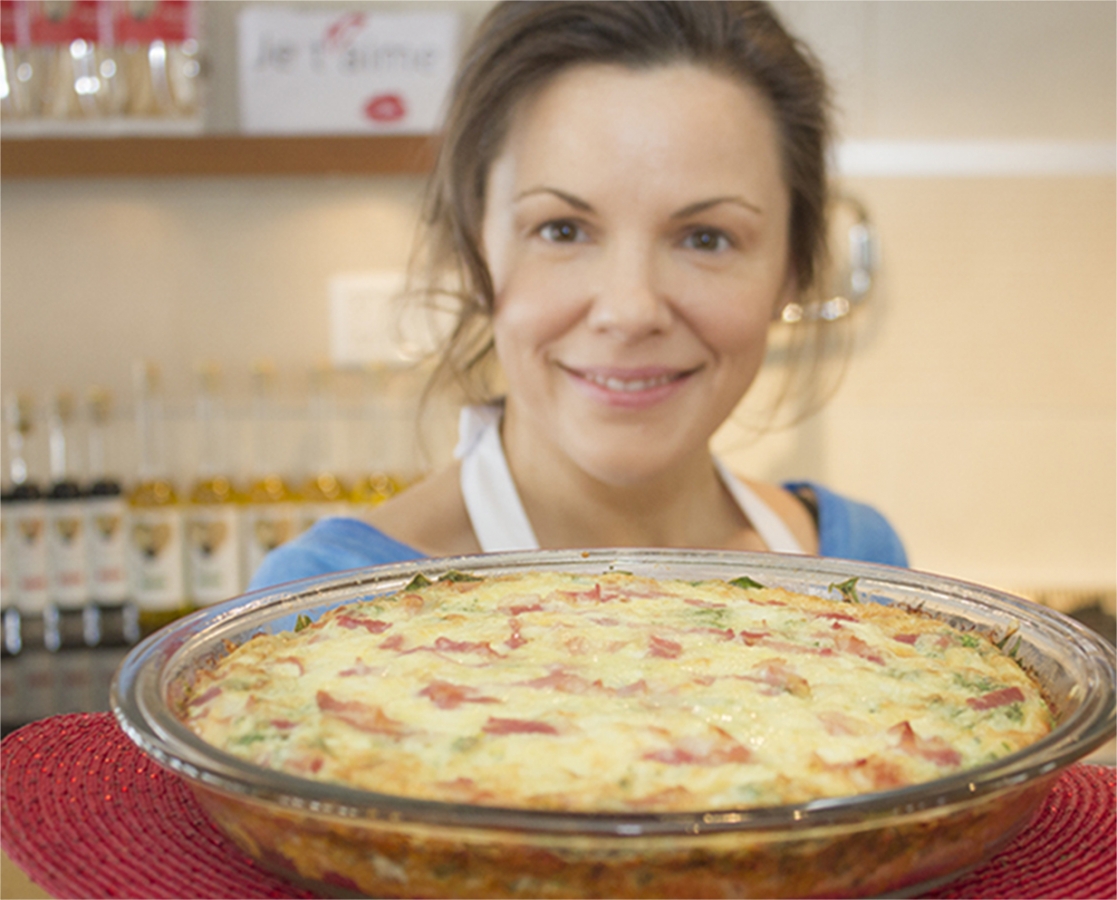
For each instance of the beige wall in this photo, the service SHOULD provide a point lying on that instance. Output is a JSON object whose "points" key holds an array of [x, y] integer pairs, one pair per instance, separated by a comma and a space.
{"points": [[978, 407], [978, 410]]}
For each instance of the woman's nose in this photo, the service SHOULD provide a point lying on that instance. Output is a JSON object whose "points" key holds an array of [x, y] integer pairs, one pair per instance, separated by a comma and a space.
{"points": [[629, 301]]}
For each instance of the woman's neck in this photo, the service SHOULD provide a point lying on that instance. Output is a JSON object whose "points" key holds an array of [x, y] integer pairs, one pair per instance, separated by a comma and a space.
{"points": [[683, 506]]}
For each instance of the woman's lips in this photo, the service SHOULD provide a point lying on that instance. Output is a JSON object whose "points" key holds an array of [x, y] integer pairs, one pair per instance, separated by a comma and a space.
{"points": [[620, 383], [629, 388]]}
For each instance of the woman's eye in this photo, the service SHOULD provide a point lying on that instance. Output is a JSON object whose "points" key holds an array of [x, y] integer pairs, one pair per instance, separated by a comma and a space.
{"points": [[709, 239], [562, 231]]}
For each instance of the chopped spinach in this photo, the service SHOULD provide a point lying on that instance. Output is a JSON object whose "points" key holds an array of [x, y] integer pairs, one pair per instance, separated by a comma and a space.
{"points": [[712, 616], [746, 583], [465, 743], [454, 576], [848, 589], [979, 685], [419, 582]]}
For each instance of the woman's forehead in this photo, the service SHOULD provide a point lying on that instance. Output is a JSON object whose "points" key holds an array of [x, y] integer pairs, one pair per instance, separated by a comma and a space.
{"points": [[594, 124]]}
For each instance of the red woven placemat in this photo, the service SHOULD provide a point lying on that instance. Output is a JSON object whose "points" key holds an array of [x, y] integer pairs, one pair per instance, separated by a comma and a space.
{"points": [[86, 814]]}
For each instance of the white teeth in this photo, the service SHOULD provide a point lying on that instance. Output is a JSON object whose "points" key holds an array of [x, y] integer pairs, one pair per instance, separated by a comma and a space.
{"points": [[635, 384]]}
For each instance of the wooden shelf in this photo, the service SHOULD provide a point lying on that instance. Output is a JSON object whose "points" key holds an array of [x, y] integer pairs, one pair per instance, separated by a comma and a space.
{"points": [[155, 157]]}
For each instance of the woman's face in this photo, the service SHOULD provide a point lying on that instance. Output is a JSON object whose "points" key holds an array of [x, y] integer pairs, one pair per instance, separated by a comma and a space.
{"points": [[636, 229]]}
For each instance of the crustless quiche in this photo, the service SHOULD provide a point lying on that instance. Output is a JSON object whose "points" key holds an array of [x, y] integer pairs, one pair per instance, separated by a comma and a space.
{"points": [[614, 692]]}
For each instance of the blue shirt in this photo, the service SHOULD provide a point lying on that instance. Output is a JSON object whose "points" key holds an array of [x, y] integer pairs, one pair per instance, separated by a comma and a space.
{"points": [[846, 529]]}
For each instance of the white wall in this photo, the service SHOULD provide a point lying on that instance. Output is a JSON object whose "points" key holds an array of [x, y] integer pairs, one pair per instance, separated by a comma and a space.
{"points": [[978, 410]]}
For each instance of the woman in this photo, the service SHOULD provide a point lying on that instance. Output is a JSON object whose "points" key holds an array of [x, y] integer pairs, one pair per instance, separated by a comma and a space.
{"points": [[628, 194]]}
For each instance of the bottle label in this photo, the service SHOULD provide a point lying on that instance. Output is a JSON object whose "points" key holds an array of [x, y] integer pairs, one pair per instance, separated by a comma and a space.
{"points": [[27, 522], [213, 551], [15, 24], [172, 21], [67, 555], [63, 23], [264, 527], [106, 540], [155, 558]]}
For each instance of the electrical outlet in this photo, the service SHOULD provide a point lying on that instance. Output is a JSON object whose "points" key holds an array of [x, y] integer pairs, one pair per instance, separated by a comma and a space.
{"points": [[370, 323], [364, 318]]}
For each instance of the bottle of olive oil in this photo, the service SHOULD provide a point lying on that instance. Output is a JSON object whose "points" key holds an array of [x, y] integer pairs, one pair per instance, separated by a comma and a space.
{"points": [[67, 548], [323, 492], [24, 516], [268, 514], [155, 531], [213, 513], [112, 615]]}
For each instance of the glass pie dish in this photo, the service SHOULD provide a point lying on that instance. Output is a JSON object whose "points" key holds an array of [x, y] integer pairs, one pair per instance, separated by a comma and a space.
{"points": [[344, 841]]}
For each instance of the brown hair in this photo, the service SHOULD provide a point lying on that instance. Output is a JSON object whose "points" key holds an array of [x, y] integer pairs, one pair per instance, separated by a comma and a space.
{"points": [[520, 46]]}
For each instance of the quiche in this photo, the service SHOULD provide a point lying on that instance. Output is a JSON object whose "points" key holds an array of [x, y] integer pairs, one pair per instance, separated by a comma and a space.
{"points": [[614, 692]]}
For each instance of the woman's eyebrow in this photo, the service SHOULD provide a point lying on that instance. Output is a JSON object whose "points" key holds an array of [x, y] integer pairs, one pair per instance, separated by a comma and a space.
{"points": [[702, 205], [577, 202], [688, 210]]}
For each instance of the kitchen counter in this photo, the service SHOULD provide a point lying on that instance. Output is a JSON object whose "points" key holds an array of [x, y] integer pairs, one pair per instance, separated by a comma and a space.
{"points": [[15, 884]]}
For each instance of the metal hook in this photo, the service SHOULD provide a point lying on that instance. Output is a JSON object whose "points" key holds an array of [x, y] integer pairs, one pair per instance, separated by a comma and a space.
{"points": [[855, 282]]}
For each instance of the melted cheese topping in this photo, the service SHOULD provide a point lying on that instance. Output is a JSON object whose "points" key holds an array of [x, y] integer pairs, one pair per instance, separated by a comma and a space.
{"points": [[615, 692]]}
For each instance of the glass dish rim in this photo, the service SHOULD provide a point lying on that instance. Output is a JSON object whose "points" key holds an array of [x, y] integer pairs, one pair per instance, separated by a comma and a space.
{"points": [[150, 724]]}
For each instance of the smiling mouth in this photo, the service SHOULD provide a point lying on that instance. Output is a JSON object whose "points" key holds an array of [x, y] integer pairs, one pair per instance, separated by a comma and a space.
{"points": [[630, 384]]}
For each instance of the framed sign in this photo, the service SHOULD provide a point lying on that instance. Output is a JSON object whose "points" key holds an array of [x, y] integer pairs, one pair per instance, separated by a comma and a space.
{"points": [[344, 71]]}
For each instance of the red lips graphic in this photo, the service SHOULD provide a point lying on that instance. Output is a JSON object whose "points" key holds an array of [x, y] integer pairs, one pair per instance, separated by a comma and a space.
{"points": [[386, 108]]}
